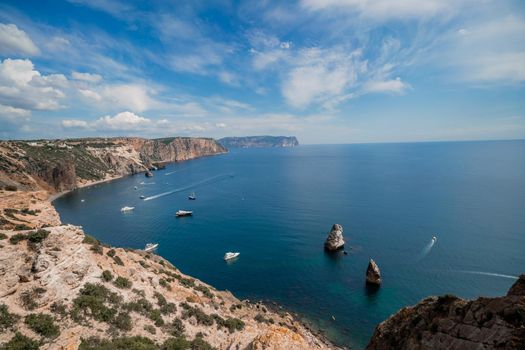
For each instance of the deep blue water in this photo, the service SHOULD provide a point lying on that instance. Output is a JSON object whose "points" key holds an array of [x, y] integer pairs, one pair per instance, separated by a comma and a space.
{"points": [[276, 207]]}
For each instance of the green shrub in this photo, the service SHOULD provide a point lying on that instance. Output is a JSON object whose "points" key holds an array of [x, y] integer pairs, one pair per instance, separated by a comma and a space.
{"points": [[198, 314], [42, 324], [37, 236], [90, 240], [97, 248], [156, 317], [22, 227], [164, 283], [10, 188], [92, 301], [118, 260], [204, 290], [141, 306], [107, 276], [124, 343], [122, 282], [7, 320], [123, 321], [168, 309], [178, 343], [111, 253], [2, 236], [200, 344], [16, 238], [151, 329], [20, 342], [176, 328], [161, 300], [143, 264]]}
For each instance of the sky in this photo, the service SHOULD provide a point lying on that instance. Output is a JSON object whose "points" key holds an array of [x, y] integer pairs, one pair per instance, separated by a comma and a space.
{"points": [[326, 71]]}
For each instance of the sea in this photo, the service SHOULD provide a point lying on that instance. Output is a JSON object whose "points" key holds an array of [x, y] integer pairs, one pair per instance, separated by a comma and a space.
{"points": [[276, 206]]}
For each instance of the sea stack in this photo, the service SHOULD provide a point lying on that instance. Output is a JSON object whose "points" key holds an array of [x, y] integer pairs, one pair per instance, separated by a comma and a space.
{"points": [[373, 275], [335, 240]]}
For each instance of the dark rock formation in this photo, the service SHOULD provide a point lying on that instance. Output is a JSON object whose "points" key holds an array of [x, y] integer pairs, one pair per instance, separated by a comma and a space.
{"points": [[335, 240], [373, 275], [259, 141], [448, 322]]}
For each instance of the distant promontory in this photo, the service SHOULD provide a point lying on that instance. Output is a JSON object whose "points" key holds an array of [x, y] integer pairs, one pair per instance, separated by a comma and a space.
{"points": [[259, 141]]}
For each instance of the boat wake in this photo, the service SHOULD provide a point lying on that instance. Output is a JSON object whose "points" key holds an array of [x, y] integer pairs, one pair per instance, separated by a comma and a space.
{"points": [[427, 249], [207, 181], [171, 172], [147, 183], [488, 274]]}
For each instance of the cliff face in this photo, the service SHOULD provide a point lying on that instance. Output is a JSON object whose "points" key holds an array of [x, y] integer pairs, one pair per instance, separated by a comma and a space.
{"points": [[60, 289], [448, 322], [61, 165], [259, 141]]}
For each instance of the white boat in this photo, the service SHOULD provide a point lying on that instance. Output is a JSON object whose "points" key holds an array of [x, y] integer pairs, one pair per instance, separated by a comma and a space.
{"points": [[150, 246], [124, 209], [183, 213], [434, 238], [136, 187], [192, 196], [142, 197], [231, 255]]}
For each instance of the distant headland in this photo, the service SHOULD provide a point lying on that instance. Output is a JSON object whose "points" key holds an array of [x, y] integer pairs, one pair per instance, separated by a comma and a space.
{"points": [[259, 141]]}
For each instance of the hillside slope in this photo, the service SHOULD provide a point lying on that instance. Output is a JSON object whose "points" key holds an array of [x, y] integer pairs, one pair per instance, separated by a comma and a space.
{"points": [[61, 165]]}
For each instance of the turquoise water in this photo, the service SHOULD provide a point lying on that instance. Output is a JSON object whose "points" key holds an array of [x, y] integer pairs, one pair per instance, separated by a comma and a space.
{"points": [[276, 207]]}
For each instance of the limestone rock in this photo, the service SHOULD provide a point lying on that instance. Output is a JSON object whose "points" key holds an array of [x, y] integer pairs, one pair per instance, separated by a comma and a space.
{"points": [[448, 322], [373, 275], [335, 240]]}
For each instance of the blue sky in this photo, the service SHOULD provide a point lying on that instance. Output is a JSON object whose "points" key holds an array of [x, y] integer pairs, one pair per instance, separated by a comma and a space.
{"points": [[327, 71]]}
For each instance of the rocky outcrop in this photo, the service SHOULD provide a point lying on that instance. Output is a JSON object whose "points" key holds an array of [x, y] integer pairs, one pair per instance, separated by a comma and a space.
{"points": [[335, 240], [448, 322], [373, 275], [60, 165], [259, 141]]}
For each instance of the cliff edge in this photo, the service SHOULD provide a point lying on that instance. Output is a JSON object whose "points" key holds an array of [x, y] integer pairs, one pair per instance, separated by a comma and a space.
{"points": [[448, 322]]}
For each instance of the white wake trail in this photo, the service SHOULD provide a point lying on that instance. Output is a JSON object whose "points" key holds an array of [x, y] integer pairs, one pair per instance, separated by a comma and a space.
{"points": [[427, 249], [185, 188], [489, 274]]}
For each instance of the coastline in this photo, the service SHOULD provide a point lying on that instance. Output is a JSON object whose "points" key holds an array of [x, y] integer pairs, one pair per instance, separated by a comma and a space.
{"points": [[54, 196]]}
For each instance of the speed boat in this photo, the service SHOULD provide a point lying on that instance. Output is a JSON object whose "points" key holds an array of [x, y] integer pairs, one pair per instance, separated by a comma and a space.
{"points": [[231, 255], [150, 246], [142, 197], [125, 209], [149, 174], [180, 213], [434, 239], [192, 196]]}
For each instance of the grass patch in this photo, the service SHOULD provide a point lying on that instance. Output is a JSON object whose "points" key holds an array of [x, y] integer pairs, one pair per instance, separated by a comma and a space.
{"points": [[123, 343], [43, 324]]}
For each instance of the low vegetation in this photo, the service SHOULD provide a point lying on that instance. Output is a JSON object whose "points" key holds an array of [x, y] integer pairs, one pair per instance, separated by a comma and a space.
{"points": [[20, 342], [7, 320], [107, 276], [122, 283], [43, 324], [29, 297]]}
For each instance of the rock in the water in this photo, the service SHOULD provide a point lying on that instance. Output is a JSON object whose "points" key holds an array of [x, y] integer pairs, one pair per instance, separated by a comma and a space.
{"points": [[373, 275], [335, 240]]}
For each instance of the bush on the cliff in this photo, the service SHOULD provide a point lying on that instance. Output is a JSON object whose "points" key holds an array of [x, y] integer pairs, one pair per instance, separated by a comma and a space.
{"points": [[2, 236], [150, 329], [17, 237], [122, 282], [204, 290], [123, 321], [58, 308], [118, 260], [22, 227], [37, 236], [107, 276], [20, 342], [156, 317], [10, 188], [42, 324], [7, 320], [92, 301], [176, 328], [28, 298], [232, 324], [124, 343], [199, 315], [90, 239]]}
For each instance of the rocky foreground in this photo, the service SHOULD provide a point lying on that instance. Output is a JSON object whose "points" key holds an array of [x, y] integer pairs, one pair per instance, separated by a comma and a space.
{"points": [[449, 322], [62, 289]]}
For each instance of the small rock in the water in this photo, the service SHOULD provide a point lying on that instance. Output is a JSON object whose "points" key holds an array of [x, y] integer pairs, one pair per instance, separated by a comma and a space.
{"points": [[335, 240], [373, 275]]}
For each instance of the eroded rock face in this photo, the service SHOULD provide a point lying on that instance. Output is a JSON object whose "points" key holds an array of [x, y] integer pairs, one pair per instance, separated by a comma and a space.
{"points": [[448, 322], [373, 274], [335, 240]]}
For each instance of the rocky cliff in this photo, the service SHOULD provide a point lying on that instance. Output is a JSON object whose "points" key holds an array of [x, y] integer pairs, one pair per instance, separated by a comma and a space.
{"points": [[448, 322], [259, 141], [62, 289], [61, 165]]}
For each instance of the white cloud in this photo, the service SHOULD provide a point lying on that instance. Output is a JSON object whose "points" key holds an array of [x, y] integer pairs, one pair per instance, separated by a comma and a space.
{"points": [[124, 121], [90, 94], [88, 77], [21, 86], [12, 114], [392, 86], [73, 123], [320, 75], [132, 96], [16, 41], [387, 9], [229, 78]]}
